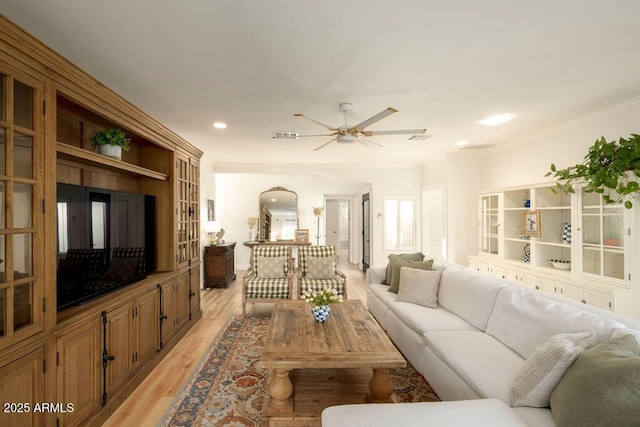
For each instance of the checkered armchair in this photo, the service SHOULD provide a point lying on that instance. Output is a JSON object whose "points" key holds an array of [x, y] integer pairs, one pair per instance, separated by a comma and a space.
{"points": [[317, 269], [269, 277]]}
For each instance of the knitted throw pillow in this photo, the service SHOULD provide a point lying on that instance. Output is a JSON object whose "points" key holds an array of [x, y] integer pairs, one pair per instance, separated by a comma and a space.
{"points": [[543, 370]]}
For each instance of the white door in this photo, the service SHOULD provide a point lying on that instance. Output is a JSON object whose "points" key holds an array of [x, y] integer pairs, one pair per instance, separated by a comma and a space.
{"points": [[337, 225]]}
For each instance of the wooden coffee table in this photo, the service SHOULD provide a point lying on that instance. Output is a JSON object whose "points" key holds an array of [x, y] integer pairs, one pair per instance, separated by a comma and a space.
{"points": [[349, 338]]}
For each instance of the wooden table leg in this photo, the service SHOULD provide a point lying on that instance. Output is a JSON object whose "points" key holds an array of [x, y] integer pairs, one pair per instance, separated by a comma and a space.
{"points": [[380, 386], [280, 391]]}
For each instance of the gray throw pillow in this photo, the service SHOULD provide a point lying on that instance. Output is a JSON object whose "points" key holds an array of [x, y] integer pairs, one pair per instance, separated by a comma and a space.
{"points": [[419, 286], [602, 388], [418, 256], [320, 268], [397, 264], [270, 267]]}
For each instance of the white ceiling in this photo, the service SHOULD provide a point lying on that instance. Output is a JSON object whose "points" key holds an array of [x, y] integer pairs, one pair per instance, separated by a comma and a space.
{"points": [[443, 64]]}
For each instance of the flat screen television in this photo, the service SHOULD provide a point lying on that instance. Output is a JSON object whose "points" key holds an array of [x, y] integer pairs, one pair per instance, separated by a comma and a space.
{"points": [[106, 240]]}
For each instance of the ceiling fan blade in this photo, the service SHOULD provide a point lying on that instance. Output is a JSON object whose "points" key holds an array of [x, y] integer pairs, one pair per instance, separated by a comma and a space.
{"points": [[326, 143], [382, 115], [394, 132], [320, 134], [315, 121], [369, 143]]}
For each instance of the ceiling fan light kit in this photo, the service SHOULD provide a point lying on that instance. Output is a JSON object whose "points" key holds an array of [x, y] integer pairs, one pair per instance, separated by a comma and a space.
{"points": [[349, 134]]}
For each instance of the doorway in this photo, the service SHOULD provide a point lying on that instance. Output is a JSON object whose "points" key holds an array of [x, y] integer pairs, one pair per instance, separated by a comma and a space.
{"points": [[366, 232], [337, 226]]}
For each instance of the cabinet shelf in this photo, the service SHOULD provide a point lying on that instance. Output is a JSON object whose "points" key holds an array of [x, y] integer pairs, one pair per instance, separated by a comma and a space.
{"points": [[558, 244], [545, 208], [79, 154]]}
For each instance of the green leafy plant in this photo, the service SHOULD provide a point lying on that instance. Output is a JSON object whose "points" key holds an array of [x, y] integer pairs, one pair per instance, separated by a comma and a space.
{"points": [[111, 137], [609, 168]]}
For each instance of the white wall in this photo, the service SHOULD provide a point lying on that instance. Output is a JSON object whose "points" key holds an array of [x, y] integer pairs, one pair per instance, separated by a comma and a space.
{"points": [[529, 162]]}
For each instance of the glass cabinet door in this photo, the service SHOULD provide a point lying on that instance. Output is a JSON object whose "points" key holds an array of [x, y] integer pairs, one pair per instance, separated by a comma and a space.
{"points": [[489, 223], [21, 129], [601, 237], [182, 196], [194, 211]]}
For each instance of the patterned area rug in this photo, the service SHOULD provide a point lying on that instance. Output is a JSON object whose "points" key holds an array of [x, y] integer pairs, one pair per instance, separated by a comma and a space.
{"points": [[228, 387]]}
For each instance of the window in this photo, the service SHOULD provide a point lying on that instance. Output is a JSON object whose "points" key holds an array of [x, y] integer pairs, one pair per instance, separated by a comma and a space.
{"points": [[399, 222]]}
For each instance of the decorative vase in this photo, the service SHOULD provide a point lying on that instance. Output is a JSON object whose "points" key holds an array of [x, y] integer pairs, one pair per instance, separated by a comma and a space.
{"points": [[526, 257], [113, 151], [252, 235], [566, 233], [321, 312]]}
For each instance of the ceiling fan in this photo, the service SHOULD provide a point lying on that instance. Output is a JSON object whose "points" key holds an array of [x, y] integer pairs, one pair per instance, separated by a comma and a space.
{"points": [[349, 134]]}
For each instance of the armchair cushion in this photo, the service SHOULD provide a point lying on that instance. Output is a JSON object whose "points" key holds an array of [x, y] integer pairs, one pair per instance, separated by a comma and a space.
{"points": [[256, 288], [271, 267], [320, 268]]}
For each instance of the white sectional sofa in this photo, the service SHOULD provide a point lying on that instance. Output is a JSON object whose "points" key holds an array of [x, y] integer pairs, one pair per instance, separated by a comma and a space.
{"points": [[471, 347]]}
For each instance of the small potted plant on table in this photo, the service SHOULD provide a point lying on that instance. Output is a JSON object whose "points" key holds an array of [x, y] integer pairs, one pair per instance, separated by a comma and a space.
{"points": [[320, 302], [111, 142]]}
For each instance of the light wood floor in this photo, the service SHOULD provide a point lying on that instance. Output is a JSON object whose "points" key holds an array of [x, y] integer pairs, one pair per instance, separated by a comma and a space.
{"points": [[146, 405]]}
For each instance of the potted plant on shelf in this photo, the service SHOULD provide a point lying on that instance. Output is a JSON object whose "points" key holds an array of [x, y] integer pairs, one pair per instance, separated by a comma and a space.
{"points": [[111, 142], [609, 168]]}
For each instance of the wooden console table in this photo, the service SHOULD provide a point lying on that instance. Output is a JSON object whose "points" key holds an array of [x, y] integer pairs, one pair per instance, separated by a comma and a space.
{"points": [[219, 265], [277, 243]]}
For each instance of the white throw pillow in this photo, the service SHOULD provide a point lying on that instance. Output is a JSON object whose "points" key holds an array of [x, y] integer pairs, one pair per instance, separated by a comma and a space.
{"points": [[270, 267], [543, 370], [320, 268], [419, 286]]}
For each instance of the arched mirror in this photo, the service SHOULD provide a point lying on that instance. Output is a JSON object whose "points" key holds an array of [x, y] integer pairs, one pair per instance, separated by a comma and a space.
{"points": [[278, 214]]}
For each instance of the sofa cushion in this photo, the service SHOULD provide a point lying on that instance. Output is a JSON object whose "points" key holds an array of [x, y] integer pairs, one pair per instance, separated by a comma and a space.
{"points": [[469, 294], [422, 319], [477, 413], [483, 362], [544, 369], [397, 264], [602, 387], [524, 321], [419, 287], [417, 256]]}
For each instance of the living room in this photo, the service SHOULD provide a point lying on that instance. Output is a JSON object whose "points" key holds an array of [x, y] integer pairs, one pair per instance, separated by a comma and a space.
{"points": [[561, 103]]}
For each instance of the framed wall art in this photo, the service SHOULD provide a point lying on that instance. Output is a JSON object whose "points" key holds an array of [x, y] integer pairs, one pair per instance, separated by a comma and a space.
{"points": [[531, 223], [301, 236]]}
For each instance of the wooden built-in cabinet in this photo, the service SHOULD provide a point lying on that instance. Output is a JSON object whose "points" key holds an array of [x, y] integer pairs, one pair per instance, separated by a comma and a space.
{"points": [[88, 355], [79, 370]]}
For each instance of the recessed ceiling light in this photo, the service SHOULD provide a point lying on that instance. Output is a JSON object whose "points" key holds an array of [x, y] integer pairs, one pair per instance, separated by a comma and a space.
{"points": [[220, 125], [462, 143], [496, 119]]}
